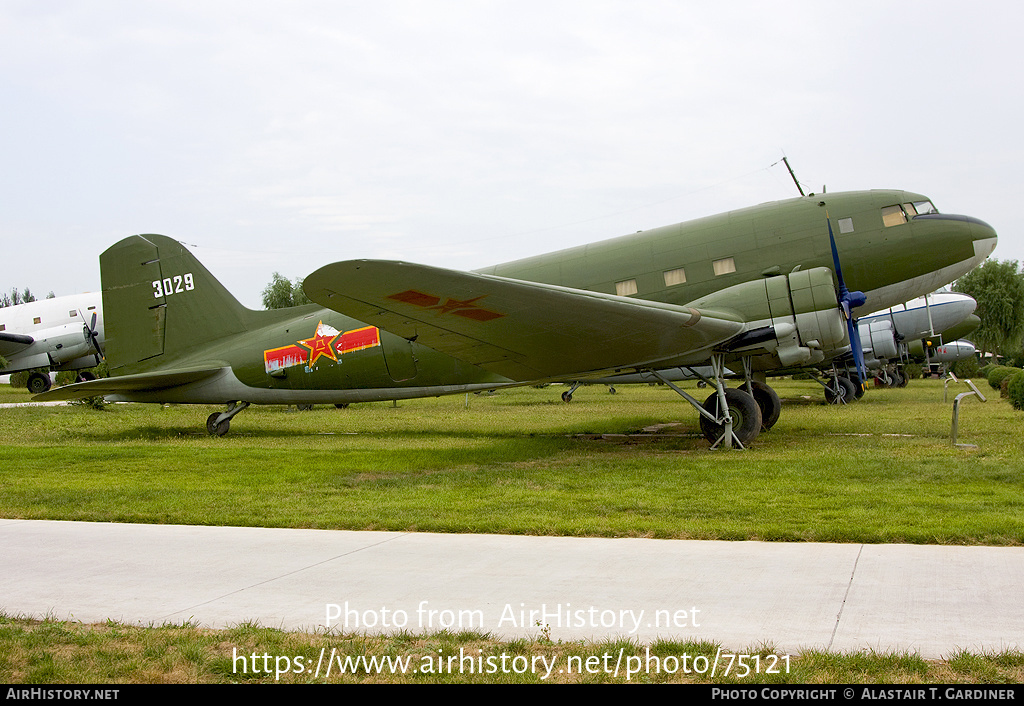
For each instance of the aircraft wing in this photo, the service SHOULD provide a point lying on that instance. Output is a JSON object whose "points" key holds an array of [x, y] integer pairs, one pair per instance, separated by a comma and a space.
{"points": [[11, 343], [521, 330], [142, 382]]}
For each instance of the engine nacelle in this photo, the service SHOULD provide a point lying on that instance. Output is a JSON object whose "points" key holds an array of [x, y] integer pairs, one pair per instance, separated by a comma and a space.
{"points": [[63, 343], [794, 317], [878, 339]]}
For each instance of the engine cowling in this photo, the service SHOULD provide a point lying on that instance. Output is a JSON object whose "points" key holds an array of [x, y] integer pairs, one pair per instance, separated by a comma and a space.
{"points": [[878, 339], [795, 318]]}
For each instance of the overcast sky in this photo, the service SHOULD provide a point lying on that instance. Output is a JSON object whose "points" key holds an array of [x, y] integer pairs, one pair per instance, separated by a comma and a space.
{"points": [[280, 136]]}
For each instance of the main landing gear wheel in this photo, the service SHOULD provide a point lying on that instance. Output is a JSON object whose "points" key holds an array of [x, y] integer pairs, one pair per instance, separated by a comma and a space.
{"points": [[745, 413], [767, 400], [841, 391], [38, 383], [566, 396], [858, 387], [216, 429]]}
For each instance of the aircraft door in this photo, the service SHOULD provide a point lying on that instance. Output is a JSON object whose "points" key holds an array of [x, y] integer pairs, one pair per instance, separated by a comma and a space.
{"points": [[398, 357]]}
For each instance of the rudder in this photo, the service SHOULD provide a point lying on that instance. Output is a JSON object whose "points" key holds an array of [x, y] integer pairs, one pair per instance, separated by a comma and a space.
{"points": [[159, 302]]}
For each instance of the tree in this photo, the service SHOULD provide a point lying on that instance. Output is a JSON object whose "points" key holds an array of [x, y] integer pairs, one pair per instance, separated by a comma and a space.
{"points": [[15, 297], [998, 287], [282, 293]]}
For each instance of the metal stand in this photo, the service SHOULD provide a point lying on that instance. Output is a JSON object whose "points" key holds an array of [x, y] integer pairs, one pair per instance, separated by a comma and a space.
{"points": [[956, 414]]}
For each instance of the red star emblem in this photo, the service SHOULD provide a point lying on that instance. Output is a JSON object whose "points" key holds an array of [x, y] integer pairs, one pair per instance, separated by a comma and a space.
{"points": [[465, 308], [320, 345], [454, 305]]}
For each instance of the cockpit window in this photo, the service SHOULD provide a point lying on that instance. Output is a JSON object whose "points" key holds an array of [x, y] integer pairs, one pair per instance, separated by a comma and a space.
{"points": [[901, 213], [893, 216]]}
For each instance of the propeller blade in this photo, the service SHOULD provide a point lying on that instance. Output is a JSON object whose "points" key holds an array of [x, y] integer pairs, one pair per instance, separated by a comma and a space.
{"points": [[849, 301], [93, 336]]}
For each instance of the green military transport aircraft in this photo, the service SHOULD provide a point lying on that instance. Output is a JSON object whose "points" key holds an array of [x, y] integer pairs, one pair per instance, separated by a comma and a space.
{"points": [[768, 286]]}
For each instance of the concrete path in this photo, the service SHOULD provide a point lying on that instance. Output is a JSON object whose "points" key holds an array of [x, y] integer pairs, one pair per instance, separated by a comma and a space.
{"points": [[927, 599]]}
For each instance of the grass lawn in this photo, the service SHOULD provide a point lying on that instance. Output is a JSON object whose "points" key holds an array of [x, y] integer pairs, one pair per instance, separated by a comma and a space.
{"points": [[58, 652], [523, 462]]}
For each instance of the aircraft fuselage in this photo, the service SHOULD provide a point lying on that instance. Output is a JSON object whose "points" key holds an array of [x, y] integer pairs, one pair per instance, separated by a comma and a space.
{"points": [[891, 244]]}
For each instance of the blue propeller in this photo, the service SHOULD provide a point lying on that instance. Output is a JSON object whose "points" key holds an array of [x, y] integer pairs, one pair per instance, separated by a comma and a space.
{"points": [[849, 301]]}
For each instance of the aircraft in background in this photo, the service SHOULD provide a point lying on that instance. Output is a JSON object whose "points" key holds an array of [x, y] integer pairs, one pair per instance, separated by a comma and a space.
{"points": [[764, 287], [62, 333], [891, 338]]}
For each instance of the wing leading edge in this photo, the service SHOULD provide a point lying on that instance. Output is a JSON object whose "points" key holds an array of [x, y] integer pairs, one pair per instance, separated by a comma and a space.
{"points": [[12, 343], [521, 330]]}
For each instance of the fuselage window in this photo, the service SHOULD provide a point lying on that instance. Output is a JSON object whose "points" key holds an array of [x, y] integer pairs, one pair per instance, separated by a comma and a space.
{"points": [[674, 277], [626, 287], [37, 320], [3, 327], [845, 225], [893, 216], [724, 266], [72, 314]]}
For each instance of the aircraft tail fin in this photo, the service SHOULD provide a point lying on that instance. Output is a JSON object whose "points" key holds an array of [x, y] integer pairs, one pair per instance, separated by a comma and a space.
{"points": [[159, 303]]}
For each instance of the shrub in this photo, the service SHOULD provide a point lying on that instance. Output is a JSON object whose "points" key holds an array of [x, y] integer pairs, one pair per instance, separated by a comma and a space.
{"points": [[998, 373], [1015, 390], [968, 368]]}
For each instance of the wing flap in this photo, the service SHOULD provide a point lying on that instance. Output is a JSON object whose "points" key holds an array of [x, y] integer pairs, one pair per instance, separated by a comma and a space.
{"points": [[142, 382], [522, 330]]}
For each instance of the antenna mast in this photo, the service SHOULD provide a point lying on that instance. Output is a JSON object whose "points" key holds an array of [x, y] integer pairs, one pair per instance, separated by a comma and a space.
{"points": [[798, 187]]}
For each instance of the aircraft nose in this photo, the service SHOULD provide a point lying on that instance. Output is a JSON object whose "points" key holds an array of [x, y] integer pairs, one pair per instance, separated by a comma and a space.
{"points": [[984, 235], [981, 233]]}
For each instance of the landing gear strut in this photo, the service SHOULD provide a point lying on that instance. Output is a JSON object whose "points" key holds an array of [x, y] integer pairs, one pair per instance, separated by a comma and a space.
{"points": [[218, 423], [728, 415], [840, 391], [567, 395]]}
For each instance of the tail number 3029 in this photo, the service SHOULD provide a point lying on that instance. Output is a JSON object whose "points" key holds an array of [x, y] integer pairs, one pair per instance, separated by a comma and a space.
{"points": [[173, 285]]}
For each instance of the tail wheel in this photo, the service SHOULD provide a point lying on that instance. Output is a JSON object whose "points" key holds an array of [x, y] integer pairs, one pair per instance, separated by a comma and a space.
{"points": [[216, 429], [767, 400], [745, 413]]}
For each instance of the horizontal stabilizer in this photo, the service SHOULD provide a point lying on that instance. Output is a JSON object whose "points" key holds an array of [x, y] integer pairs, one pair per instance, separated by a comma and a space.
{"points": [[142, 382], [521, 330]]}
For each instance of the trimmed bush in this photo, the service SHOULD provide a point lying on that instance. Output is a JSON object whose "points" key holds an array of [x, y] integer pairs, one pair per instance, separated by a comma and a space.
{"points": [[998, 373], [1015, 390], [968, 368]]}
